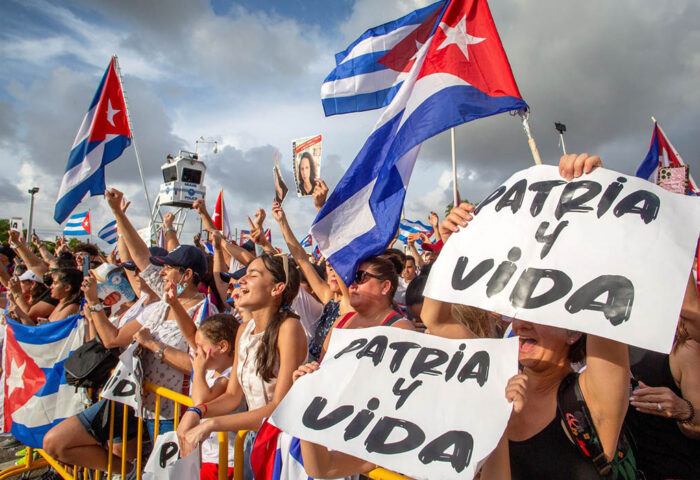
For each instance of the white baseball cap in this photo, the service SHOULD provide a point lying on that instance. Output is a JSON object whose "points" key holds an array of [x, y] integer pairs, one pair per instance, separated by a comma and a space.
{"points": [[29, 275]]}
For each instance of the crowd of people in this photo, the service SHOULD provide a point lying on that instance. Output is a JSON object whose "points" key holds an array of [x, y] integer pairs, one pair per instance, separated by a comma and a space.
{"points": [[234, 330]]}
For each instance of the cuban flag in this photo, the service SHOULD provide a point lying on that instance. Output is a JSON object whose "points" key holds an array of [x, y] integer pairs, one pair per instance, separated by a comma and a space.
{"points": [[36, 396], [101, 139], [108, 233], [307, 241], [407, 227], [317, 254], [366, 76], [276, 455], [662, 154], [210, 247], [459, 74], [78, 224], [245, 234], [220, 218]]}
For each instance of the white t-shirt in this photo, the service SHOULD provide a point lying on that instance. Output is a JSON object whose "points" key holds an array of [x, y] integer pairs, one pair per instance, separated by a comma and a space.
{"points": [[165, 331], [210, 445], [309, 310]]}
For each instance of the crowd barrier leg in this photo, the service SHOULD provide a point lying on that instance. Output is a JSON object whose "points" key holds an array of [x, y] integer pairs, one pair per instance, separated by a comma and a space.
{"points": [[223, 456], [30, 463], [238, 455]]}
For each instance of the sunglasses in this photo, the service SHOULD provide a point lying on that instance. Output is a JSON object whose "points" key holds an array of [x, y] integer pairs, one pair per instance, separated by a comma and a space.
{"points": [[361, 276]]}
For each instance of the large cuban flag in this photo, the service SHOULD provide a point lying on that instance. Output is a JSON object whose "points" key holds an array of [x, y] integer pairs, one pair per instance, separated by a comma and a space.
{"points": [[36, 396], [662, 154], [459, 73], [101, 139], [276, 455]]}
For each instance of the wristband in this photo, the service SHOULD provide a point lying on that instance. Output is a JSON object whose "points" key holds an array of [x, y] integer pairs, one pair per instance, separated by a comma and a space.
{"points": [[195, 410], [170, 229], [204, 406], [692, 413]]}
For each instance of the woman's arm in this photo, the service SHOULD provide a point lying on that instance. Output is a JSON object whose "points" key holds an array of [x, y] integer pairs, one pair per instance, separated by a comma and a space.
{"points": [[318, 285], [207, 222], [183, 319], [40, 309], [33, 263], [438, 319], [131, 275], [201, 391], [291, 344], [690, 312], [220, 264], [319, 462], [137, 247], [177, 359], [169, 232], [605, 387]]}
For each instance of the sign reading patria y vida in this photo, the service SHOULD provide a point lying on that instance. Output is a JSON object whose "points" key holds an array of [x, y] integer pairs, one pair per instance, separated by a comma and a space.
{"points": [[605, 254], [424, 406]]}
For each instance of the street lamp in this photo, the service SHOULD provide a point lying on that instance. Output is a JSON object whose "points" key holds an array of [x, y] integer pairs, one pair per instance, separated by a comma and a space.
{"points": [[32, 191]]}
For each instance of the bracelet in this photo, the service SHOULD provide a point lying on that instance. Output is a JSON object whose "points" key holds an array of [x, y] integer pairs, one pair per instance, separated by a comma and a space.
{"points": [[204, 406], [692, 413], [195, 410], [170, 229]]}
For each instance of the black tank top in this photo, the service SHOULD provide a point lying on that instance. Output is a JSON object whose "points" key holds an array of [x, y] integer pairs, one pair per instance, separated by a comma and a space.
{"points": [[549, 455], [662, 450]]}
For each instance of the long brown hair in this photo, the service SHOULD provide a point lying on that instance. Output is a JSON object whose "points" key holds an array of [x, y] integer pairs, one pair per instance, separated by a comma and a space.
{"points": [[481, 322], [267, 357]]}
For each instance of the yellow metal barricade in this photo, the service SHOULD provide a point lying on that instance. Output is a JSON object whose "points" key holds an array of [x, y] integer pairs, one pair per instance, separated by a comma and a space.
{"points": [[70, 472]]}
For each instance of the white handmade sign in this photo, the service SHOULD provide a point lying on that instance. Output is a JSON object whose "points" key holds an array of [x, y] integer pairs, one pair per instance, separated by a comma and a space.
{"points": [[126, 383], [427, 407], [605, 254], [165, 462]]}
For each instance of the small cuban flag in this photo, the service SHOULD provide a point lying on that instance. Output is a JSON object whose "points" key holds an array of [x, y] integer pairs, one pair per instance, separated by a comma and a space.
{"points": [[78, 224], [108, 233], [307, 241]]}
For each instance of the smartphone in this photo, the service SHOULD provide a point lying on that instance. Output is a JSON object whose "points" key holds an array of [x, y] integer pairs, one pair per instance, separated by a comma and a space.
{"points": [[86, 266], [205, 236]]}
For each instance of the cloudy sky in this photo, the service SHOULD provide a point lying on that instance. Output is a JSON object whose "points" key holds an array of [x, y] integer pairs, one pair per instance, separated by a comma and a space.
{"points": [[248, 74]]}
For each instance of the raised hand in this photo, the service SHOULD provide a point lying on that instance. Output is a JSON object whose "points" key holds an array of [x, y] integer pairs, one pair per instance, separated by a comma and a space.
{"points": [[89, 288], [200, 206], [259, 217], [124, 205], [459, 216], [320, 193], [434, 220], [574, 165], [170, 296], [115, 200], [216, 238], [168, 221], [277, 212]]}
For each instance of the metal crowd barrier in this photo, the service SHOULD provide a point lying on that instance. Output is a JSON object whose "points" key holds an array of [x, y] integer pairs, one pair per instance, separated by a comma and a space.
{"points": [[71, 472]]}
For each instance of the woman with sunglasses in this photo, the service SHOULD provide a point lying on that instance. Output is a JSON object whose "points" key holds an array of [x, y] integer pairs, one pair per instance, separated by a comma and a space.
{"points": [[269, 348], [371, 295], [332, 292]]}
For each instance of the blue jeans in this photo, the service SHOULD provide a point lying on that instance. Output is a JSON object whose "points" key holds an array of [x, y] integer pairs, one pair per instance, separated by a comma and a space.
{"points": [[163, 426]]}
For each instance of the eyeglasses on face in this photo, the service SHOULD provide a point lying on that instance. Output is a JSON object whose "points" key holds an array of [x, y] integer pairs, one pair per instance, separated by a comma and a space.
{"points": [[361, 276]]}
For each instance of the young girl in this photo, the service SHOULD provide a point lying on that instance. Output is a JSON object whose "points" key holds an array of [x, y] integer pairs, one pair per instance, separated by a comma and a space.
{"points": [[213, 358], [268, 349]]}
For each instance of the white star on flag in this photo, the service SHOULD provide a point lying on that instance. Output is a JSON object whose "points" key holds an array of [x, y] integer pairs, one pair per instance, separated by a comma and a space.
{"points": [[459, 36], [15, 380], [111, 112]]}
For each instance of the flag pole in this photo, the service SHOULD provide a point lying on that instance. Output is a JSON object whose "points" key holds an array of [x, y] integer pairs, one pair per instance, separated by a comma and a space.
{"points": [[455, 194], [525, 116], [133, 140]]}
